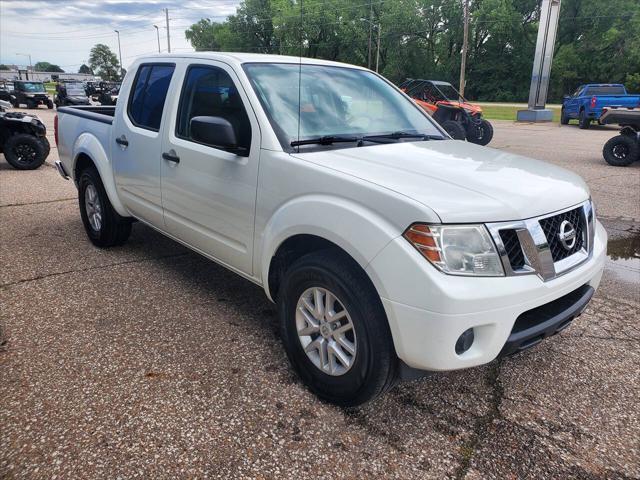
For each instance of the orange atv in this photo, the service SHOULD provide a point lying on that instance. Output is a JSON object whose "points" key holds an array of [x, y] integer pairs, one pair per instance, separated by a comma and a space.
{"points": [[461, 119]]}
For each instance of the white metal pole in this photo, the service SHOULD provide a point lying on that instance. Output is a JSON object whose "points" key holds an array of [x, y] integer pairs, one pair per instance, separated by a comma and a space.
{"points": [[158, 34], [166, 12], [465, 42]]}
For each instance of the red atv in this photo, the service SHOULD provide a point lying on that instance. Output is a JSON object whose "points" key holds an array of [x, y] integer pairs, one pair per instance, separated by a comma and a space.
{"points": [[461, 119]]}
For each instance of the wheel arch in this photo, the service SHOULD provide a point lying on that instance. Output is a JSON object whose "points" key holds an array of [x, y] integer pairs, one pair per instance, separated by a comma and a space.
{"points": [[339, 224], [88, 151]]}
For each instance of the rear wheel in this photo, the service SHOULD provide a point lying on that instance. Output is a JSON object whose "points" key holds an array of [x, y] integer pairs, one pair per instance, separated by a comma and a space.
{"points": [[49, 104], [104, 226], [583, 121], [335, 330], [480, 133], [31, 104], [25, 152], [454, 129], [621, 150]]}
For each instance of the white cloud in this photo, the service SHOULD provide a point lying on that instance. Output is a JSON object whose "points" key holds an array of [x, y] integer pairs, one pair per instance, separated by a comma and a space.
{"points": [[63, 31]]}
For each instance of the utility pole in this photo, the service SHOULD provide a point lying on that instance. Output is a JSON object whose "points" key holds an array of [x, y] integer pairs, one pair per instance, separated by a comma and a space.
{"points": [[166, 12], [465, 45], [370, 32], [119, 53], [378, 49], [158, 34]]}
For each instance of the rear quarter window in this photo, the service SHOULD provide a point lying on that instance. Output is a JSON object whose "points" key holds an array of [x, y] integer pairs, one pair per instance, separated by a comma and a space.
{"points": [[148, 96]]}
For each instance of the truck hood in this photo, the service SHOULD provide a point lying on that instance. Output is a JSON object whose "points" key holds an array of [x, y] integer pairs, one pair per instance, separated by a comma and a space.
{"points": [[460, 181]]}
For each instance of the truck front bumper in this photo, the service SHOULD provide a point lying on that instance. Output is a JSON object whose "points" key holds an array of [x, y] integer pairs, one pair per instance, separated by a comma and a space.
{"points": [[428, 311]]}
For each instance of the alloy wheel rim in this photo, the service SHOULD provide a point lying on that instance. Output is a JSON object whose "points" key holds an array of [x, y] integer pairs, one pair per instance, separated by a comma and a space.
{"points": [[326, 331], [93, 207], [25, 153], [620, 151]]}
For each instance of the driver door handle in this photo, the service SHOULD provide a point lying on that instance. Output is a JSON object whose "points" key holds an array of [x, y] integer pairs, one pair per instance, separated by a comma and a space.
{"points": [[122, 141], [171, 156]]}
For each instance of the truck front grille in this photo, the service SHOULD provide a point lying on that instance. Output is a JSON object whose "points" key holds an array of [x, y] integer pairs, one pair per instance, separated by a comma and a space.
{"points": [[512, 247], [551, 228]]}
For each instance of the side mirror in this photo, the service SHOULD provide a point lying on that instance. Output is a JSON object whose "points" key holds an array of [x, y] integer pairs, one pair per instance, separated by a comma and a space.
{"points": [[213, 131], [566, 97]]}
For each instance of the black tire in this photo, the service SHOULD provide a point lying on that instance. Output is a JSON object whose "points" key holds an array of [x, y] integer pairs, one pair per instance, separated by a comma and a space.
{"points": [[31, 104], [375, 364], [564, 119], [46, 145], [583, 121], [621, 150], [454, 129], [480, 133], [49, 104], [24, 151], [113, 229]]}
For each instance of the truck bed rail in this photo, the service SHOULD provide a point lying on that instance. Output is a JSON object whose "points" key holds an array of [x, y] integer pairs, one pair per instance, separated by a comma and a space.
{"points": [[98, 113]]}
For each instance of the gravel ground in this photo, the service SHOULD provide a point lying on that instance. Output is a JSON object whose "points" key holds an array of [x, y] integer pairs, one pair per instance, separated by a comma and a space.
{"points": [[149, 361]]}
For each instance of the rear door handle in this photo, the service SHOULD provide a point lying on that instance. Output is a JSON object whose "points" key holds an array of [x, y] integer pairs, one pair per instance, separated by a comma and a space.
{"points": [[171, 156], [122, 141]]}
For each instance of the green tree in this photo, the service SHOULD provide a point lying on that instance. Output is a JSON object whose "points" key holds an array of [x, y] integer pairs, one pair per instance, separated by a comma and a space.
{"points": [[4, 67], [85, 69], [47, 67], [104, 63], [423, 39]]}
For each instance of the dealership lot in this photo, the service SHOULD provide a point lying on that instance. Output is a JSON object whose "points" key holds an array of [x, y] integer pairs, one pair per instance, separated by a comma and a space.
{"points": [[148, 360]]}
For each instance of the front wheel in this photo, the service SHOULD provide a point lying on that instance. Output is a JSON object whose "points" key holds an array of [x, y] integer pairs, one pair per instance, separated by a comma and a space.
{"points": [[621, 150], [564, 119], [25, 152], [454, 129], [104, 226], [480, 132], [335, 330], [49, 104]]}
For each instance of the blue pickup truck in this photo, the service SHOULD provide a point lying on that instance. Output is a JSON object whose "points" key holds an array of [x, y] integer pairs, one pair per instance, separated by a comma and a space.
{"points": [[587, 102]]}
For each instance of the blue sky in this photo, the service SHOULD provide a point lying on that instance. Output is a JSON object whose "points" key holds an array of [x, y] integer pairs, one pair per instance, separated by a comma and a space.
{"points": [[63, 31]]}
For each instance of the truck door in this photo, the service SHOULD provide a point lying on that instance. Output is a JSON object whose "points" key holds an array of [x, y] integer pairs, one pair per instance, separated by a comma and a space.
{"points": [[136, 152], [572, 105], [209, 192]]}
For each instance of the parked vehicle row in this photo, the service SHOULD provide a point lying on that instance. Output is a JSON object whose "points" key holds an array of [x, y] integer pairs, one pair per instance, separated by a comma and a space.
{"points": [[388, 247]]}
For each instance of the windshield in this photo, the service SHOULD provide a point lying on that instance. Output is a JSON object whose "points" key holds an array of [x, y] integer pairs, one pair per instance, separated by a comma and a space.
{"points": [[449, 92], [31, 87], [75, 90], [332, 101]]}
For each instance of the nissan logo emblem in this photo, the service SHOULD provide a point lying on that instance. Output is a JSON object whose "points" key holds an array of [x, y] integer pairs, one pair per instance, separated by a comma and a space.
{"points": [[567, 235]]}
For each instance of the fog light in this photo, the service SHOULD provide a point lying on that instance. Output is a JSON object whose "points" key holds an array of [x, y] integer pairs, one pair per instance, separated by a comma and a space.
{"points": [[465, 341]]}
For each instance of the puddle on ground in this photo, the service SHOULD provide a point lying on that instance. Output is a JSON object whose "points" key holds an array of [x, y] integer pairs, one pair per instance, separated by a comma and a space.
{"points": [[623, 258]]}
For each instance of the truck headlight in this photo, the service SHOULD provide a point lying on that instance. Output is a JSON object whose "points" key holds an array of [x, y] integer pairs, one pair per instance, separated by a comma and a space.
{"points": [[457, 249]]}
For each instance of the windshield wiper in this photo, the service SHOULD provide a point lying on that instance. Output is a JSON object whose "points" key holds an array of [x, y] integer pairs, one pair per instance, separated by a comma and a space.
{"points": [[399, 135], [326, 140]]}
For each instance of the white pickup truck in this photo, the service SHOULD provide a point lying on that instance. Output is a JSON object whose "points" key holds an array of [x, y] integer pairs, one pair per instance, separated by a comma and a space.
{"points": [[387, 246]]}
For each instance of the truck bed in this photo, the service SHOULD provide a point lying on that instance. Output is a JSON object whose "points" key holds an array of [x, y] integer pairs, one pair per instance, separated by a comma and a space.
{"points": [[99, 113]]}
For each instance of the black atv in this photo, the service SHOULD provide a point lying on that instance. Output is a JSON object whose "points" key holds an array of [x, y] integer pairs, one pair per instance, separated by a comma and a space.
{"points": [[22, 139], [624, 149], [6, 91], [31, 94], [70, 94]]}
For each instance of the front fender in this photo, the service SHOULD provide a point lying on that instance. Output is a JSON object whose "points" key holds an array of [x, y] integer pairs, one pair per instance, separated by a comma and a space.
{"points": [[89, 145], [358, 230]]}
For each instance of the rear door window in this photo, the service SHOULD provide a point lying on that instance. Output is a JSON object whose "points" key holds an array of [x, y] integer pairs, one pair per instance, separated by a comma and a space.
{"points": [[149, 94]]}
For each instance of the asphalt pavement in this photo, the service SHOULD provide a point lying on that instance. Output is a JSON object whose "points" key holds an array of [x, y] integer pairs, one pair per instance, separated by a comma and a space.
{"points": [[149, 361]]}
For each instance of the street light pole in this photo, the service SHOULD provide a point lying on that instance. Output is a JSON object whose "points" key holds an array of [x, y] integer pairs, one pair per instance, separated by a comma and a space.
{"points": [[158, 34], [119, 53], [166, 13]]}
